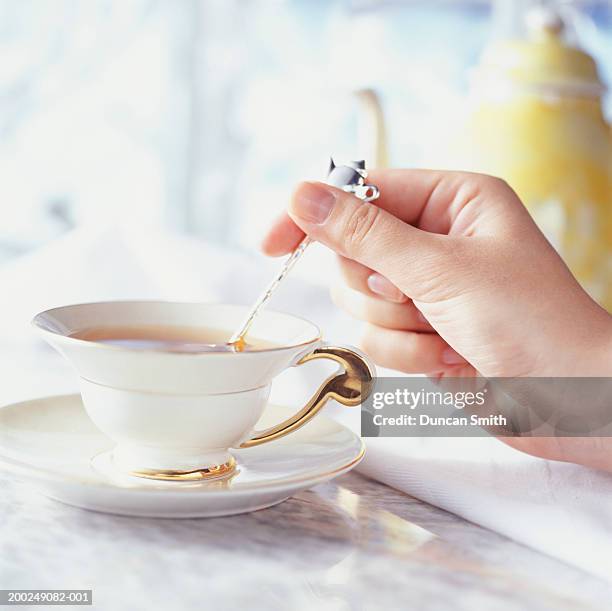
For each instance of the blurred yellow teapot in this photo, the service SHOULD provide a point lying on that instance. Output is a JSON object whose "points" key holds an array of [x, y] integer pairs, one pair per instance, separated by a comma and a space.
{"points": [[536, 120]]}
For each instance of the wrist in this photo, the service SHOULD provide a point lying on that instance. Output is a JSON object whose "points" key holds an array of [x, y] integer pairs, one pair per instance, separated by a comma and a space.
{"points": [[581, 346]]}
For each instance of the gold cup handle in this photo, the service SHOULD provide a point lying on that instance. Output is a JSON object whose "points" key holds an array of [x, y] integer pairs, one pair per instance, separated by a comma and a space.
{"points": [[350, 386]]}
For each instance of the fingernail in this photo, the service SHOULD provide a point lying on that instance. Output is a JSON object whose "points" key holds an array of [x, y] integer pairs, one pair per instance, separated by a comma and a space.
{"points": [[381, 286], [313, 202], [450, 357]]}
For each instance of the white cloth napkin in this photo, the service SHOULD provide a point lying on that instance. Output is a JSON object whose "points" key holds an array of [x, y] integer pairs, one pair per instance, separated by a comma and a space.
{"points": [[560, 509]]}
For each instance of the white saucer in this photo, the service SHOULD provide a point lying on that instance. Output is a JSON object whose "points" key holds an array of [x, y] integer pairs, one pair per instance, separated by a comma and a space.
{"points": [[51, 443]]}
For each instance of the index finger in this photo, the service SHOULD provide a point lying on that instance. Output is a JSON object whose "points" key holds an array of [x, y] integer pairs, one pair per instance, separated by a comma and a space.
{"points": [[426, 199], [282, 238]]}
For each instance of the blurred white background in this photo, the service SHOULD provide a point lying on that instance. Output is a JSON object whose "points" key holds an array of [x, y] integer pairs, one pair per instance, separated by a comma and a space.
{"points": [[199, 115]]}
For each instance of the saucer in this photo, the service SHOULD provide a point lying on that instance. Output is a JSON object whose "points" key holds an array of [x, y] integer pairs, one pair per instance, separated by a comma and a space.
{"points": [[51, 443]]}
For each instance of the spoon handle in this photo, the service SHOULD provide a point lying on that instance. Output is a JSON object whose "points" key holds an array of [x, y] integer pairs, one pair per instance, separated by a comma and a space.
{"points": [[291, 260], [350, 178]]}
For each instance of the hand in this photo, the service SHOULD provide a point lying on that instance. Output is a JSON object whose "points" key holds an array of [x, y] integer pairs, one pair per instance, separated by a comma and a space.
{"points": [[453, 278]]}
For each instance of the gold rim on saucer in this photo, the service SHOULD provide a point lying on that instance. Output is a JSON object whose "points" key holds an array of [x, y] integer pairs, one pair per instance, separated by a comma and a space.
{"points": [[208, 473]]}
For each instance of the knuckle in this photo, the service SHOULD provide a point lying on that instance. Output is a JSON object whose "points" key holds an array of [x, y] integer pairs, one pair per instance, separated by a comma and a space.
{"points": [[473, 184], [496, 184], [359, 225]]}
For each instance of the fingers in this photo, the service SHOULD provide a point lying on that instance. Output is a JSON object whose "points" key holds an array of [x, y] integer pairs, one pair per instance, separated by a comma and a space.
{"points": [[282, 238], [376, 311], [411, 352], [434, 200], [404, 193], [362, 278], [362, 231]]}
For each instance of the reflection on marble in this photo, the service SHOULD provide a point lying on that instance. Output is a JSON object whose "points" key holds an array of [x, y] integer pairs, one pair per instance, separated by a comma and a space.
{"points": [[351, 544]]}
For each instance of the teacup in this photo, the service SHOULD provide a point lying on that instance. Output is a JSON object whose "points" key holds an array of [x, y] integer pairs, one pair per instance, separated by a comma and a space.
{"points": [[175, 416]]}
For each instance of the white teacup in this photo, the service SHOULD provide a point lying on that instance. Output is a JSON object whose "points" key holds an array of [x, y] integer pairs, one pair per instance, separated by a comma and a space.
{"points": [[174, 416]]}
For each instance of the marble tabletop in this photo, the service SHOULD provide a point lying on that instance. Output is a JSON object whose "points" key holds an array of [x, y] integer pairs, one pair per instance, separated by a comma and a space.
{"points": [[350, 544]]}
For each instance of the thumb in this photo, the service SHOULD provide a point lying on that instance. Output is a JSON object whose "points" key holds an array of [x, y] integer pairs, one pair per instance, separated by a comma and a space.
{"points": [[409, 257]]}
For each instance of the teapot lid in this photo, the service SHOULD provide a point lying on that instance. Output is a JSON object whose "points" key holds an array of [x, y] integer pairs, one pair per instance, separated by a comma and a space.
{"points": [[543, 60]]}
